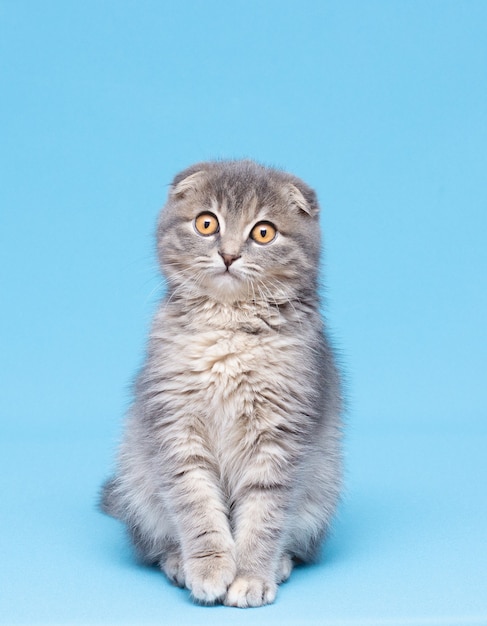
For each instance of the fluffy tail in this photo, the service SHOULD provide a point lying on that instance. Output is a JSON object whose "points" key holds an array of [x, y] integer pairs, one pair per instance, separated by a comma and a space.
{"points": [[108, 501]]}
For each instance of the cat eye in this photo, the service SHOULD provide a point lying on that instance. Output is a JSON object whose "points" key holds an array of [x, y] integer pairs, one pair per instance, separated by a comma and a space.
{"points": [[263, 232], [206, 224]]}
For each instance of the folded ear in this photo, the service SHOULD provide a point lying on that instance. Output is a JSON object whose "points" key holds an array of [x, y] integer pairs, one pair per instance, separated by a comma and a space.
{"points": [[303, 199], [186, 181], [189, 183]]}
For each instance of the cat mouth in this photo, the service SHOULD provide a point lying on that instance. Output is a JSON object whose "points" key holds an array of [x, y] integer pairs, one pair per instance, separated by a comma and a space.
{"points": [[227, 280], [226, 274]]}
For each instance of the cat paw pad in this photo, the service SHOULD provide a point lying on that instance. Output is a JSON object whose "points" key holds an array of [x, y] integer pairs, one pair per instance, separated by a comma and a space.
{"points": [[246, 592]]}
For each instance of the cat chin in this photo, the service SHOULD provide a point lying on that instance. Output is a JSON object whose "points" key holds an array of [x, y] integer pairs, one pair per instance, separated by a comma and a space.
{"points": [[227, 288]]}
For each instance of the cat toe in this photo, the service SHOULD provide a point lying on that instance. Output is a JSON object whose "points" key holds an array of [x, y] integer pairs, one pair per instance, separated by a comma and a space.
{"points": [[250, 592]]}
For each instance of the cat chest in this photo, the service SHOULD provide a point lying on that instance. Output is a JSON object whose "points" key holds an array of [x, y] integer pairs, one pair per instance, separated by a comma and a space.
{"points": [[222, 358], [231, 368]]}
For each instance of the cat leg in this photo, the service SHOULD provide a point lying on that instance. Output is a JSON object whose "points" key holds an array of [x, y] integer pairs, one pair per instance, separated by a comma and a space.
{"points": [[200, 515], [208, 548], [257, 550], [259, 520]]}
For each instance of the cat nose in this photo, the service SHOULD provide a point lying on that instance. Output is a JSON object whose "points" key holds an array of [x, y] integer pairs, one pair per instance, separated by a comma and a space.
{"points": [[228, 259]]}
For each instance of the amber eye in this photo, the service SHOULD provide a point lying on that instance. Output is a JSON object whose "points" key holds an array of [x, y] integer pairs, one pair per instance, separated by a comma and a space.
{"points": [[206, 224], [263, 232]]}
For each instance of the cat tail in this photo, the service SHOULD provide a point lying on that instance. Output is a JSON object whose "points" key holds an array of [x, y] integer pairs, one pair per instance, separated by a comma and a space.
{"points": [[109, 501]]}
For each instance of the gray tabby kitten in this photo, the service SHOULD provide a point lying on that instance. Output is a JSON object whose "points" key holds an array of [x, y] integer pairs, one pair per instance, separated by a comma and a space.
{"points": [[230, 467]]}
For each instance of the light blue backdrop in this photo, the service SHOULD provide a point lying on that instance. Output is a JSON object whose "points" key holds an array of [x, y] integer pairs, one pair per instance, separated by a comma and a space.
{"points": [[382, 108]]}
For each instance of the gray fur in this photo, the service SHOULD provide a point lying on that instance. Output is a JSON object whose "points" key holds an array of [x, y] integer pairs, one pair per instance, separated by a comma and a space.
{"points": [[230, 466]]}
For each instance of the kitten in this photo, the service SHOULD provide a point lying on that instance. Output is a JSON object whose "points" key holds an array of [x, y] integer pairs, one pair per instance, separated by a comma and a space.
{"points": [[230, 467]]}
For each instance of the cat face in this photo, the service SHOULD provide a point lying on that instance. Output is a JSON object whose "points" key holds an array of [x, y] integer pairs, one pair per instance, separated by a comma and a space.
{"points": [[236, 231]]}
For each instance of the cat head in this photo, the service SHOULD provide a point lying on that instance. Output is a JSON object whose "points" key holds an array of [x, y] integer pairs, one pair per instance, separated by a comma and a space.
{"points": [[238, 231]]}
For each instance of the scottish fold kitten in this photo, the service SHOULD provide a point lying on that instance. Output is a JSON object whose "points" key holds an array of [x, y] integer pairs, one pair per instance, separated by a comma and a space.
{"points": [[230, 467]]}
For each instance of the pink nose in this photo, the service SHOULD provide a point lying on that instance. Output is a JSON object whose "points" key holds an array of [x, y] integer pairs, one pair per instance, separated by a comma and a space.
{"points": [[228, 259]]}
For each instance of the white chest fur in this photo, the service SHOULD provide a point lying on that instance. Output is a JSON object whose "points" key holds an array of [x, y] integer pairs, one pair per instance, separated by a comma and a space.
{"points": [[217, 367]]}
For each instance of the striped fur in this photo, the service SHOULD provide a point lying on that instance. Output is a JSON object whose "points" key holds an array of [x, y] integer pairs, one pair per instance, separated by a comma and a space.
{"points": [[230, 466]]}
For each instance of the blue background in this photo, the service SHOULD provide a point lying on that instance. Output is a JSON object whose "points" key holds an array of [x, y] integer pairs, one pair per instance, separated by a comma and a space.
{"points": [[382, 108]]}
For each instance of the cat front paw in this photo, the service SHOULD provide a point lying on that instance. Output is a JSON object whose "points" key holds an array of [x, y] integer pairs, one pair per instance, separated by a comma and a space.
{"points": [[208, 577], [247, 591]]}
